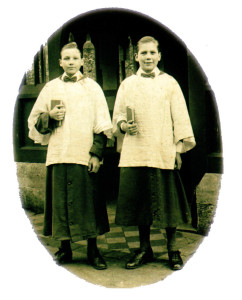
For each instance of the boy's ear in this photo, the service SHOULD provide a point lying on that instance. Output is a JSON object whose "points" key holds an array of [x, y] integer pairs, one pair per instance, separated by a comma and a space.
{"points": [[82, 62], [60, 62], [136, 57], [160, 56]]}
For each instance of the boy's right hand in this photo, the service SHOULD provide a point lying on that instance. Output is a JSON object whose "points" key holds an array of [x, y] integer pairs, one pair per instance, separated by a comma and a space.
{"points": [[130, 127], [58, 112]]}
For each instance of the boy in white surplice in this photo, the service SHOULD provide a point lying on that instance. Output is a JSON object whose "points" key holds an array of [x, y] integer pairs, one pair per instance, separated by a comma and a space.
{"points": [[151, 191], [71, 116]]}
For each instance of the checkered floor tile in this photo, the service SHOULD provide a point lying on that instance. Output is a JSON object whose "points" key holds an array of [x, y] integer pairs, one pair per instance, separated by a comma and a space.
{"points": [[123, 239]]}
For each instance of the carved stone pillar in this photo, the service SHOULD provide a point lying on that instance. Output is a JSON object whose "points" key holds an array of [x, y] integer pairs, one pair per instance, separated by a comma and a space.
{"points": [[89, 67], [121, 62], [30, 78], [129, 62]]}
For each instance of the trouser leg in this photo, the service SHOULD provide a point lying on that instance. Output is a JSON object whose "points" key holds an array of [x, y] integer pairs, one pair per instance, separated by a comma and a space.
{"points": [[66, 245], [145, 253], [175, 259], [144, 237], [92, 245], [94, 257], [171, 239], [64, 254]]}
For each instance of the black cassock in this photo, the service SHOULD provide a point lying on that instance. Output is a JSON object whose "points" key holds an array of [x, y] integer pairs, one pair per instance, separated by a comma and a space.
{"points": [[74, 207]]}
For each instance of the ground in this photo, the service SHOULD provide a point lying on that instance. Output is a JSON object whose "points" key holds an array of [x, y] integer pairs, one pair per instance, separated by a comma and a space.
{"points": [[116, 247]]}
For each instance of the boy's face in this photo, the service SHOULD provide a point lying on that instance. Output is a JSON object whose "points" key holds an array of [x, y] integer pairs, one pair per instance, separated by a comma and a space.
{"points": [[148, 56], [71, 61]]}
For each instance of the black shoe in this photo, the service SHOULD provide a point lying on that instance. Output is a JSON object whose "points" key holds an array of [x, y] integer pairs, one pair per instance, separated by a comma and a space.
{"points": [[97, 261], [140, 257], [175, 260], [63, 256]]}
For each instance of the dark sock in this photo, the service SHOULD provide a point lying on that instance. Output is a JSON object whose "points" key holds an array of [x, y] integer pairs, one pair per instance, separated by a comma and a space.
{"points": [[66, 245], [171, 239], [92, 245], [144, 237]]}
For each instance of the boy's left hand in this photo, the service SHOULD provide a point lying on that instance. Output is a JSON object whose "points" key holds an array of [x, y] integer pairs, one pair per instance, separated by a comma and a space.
{"points": [[178, 162], [93, 164]]}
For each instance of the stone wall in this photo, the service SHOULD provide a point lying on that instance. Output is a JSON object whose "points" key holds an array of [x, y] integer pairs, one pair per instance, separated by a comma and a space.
{"points": [[31, 177], [207, 196]]}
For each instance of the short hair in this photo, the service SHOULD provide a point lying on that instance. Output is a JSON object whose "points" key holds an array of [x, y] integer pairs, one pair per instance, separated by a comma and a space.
{"points": [[72, 45], [147, 39]]}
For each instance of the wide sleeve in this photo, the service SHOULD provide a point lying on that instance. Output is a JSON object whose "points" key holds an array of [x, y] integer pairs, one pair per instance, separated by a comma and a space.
{"points": [[102, 122], [183, 133], [99, 144], [40, 107], [45, 124]]}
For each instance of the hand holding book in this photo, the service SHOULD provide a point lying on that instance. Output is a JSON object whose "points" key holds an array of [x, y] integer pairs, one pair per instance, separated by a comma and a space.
{"points": [[57, 111], [130, 127], [130, 114]]}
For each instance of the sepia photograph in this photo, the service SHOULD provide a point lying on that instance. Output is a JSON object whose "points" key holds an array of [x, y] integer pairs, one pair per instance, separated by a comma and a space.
{"points": [[118, 150]]}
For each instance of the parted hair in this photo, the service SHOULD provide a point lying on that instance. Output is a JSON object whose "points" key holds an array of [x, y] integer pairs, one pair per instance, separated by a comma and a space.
{"points": [[72, 45], [147, 39]]}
